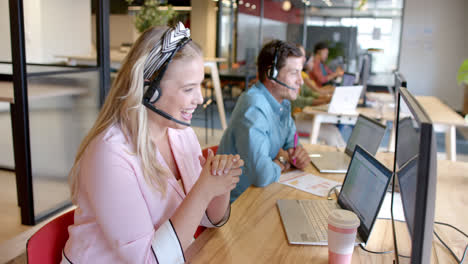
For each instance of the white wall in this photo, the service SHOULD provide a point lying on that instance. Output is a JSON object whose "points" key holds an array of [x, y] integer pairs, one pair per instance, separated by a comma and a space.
{"points": [[434, 44], [52, 27], [66, 28]]}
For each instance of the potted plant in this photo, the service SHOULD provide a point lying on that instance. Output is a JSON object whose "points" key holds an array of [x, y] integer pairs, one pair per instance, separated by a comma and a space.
{"points": [[151, 15], [462, 78]]}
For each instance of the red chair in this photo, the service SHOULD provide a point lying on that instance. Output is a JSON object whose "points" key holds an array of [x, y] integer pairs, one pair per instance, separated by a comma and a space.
{"points": [[200, 229], [46, 245], [205, 150]]}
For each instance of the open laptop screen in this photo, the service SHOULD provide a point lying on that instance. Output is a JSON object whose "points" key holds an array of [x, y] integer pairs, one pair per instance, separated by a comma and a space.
{"points": [[348, 79], [367, 133], [364, 189]]}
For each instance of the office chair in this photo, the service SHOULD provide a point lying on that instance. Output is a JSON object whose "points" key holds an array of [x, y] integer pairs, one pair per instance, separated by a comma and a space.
{"points": [[46, 245]]}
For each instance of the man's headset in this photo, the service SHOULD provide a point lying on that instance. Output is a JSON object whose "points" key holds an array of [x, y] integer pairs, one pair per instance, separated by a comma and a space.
{"points": [[273, 71], [154, 92]]}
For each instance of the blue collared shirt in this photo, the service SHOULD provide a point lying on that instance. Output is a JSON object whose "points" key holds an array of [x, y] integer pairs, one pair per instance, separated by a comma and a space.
{"points": [[258, 128]]}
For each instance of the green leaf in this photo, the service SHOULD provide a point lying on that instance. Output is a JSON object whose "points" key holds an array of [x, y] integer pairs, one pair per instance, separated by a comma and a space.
{"points": [[150, 15], [462, 75]]}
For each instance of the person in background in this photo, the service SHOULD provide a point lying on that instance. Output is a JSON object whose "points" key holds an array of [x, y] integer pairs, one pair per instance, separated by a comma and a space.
{"points": [[139, 181], [320, 73], [261, 129], [310, 94]]}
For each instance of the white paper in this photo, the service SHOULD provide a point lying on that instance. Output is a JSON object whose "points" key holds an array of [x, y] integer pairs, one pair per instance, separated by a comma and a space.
{"points": [[308, 182]]}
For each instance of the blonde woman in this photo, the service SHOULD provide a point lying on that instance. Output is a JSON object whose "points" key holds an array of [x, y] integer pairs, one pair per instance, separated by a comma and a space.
{"points": [[139, 181]]}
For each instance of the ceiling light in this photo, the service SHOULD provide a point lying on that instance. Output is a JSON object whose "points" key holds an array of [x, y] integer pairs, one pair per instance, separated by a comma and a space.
{"points": [[328, 2], [254, 6], [286, 5], [241, 2], [247, 4]]}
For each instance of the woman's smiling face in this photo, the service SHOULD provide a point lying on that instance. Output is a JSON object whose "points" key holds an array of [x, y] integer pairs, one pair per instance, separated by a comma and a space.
{"points": [[181, 90]]}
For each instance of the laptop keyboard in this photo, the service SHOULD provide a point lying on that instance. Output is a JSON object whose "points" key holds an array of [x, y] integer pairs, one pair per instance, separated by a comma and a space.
{"points": [[317, 212]]}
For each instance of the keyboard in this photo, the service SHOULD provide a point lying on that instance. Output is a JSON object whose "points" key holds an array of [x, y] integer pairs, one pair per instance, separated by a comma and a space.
{"points": [[317, 212]]}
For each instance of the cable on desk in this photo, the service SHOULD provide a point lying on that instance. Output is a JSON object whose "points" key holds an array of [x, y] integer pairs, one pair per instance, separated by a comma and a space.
{"points": [[449, 225], [379, 252], [374, 252], [446, 246], [331, 190], [451, 252]]}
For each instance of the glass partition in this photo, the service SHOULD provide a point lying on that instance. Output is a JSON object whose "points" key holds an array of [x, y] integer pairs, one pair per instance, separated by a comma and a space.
{"points": [[63, 98], [59, 119]]}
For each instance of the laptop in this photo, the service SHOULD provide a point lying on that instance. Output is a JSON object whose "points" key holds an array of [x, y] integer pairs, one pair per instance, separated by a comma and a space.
{"points": [[363, 192], [344, 100], [367, 133], [348, 79]]}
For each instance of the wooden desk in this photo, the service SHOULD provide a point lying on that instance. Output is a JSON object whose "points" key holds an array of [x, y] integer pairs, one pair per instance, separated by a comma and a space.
{"points": [[444, 118], [255, 234]]}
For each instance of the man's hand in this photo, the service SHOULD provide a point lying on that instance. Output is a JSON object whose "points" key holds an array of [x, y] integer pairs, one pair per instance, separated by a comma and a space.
{"points": [[301, 157]]}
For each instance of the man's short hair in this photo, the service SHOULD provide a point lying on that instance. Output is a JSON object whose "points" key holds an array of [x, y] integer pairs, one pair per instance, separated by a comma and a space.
{"points": [[320, 46], [266, 57]]}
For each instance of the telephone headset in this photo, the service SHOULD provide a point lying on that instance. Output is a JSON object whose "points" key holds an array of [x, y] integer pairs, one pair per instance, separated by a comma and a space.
{"points": [[273, 71], [154, 92]]}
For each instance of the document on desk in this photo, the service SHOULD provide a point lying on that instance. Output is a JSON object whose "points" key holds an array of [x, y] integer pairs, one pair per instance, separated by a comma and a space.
{"points": [[308, 182]]}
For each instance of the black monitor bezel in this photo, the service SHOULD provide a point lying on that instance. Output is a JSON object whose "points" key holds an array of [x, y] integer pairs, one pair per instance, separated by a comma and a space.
{"points": [[426, 181], [364, 232], [399, 79]]}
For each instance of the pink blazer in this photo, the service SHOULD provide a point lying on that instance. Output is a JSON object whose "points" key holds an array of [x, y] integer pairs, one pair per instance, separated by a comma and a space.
{"points": [[119, 218]]}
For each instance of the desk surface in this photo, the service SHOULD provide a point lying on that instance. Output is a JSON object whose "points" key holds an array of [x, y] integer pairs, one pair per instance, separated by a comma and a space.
{"points": [[38, 91], [254, 233], [439, 112]]}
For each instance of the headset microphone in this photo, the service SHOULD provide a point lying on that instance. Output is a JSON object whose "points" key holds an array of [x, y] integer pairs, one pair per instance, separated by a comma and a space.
{"points": [[282, 83], [163, 114]]}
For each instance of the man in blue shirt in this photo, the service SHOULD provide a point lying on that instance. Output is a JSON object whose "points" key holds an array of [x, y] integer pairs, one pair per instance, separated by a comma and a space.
{"points": [[261, 129]]}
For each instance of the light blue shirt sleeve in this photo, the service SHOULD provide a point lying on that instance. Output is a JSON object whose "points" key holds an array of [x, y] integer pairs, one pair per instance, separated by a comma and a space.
{"points": [[252, 141], [290, 138]]}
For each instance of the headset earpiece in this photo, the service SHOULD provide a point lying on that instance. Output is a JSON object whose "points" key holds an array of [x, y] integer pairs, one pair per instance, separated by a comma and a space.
{"points": [[152, 86], [156, 95], [273, 72]]}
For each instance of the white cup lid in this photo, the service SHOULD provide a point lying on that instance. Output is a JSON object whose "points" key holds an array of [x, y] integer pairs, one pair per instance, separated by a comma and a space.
{"points": [[343, 219]]}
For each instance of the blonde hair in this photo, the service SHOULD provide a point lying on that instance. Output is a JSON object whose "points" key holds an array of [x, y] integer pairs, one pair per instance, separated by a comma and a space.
{"points": [[123, 106]]}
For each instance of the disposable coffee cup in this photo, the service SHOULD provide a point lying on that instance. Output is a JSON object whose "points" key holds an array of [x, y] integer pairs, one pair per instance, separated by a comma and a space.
{"points": [[342, 229]]}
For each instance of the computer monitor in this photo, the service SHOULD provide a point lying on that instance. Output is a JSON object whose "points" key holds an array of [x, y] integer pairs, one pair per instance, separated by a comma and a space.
{"points": [[415, 168], [368, 133], [400, 81]]}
